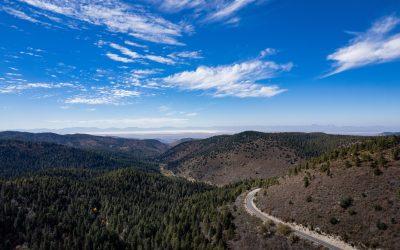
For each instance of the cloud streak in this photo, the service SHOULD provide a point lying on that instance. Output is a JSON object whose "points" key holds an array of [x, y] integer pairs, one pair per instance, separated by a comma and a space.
{"points": [[208, 10], [238, 80], [116, 16], [17, 88], [103, 96], [229, 10], [118, 58], [21, 15], [132, 55], [379, 44]]}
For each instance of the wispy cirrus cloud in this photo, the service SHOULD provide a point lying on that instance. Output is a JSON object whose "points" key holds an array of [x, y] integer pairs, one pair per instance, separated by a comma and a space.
{"points": [[208, 10], [103, 96], [178, 5], [118, 58], [186, 54], [238, 79], [125, 51], [379, 44], [19, 87], [228, 10], [130, 43], [132, 55], [116, 16], [20, 14]]}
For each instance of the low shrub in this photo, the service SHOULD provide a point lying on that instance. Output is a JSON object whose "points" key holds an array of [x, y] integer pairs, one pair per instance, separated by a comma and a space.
{"points": [[346, 202], [294, 238], [381, 225], [334, 221], [306, 181], [283, 229]]}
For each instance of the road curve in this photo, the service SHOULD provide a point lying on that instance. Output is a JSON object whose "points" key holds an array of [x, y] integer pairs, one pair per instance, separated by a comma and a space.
{"points": [[329, 242]]}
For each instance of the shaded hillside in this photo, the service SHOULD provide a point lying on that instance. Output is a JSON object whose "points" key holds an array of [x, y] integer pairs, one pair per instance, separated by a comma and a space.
{"points": [[121, 209], [228, 158], [352, 192], [177, 142], [139, 149], [17, 157]]}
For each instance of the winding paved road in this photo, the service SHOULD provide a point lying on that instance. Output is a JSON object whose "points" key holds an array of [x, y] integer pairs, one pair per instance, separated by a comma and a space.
{"points": [[303, 232]]}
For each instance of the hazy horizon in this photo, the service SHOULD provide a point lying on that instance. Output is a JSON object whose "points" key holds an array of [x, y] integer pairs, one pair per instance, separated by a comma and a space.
{"points": [[170, 134]]}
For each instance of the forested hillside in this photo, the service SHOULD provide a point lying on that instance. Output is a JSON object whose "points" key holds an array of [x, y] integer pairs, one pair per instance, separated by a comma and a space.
{"points": [[229, 158], [132, 148], [121, 209], [18, 157], [353, 192]]}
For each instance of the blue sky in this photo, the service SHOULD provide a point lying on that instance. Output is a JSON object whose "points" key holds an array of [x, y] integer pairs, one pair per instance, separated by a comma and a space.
{"points": [[154, 63]]}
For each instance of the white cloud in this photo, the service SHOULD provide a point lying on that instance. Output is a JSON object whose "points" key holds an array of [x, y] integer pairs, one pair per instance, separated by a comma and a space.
{"points": [[209, 10], [130, 43], [125, 51], [118, 58], [103, 96], [17, 88], [160, 59], [186, 54], [178, 5], [229, 9], [377, 45], [239, 79], [116, 16], [21, 15], [134, 55], [145, 72], [267, 52]]}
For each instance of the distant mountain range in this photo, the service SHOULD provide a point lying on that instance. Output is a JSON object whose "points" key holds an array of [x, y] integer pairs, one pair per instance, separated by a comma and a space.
{"points": [[390, 133], [139, 149], [171, 134]]}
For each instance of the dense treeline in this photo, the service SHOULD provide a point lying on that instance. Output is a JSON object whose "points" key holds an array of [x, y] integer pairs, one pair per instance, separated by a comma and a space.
{"points": [[18, 157], [305, 145], [369, 150], [123, 147], [121, 209]]}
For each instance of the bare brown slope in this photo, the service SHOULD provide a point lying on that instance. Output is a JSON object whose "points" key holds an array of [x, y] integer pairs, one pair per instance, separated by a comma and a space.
{"points": [[353, 194], [225, 159]]}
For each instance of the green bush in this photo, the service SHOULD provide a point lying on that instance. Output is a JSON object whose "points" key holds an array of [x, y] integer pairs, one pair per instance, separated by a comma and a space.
{"points": [[381, 225], [347, 164], [267, 229], [294, 238], [334, 221], [283, 229], [377, 171], [346, 202], [396, 154], [352, 212], [306, 181]]}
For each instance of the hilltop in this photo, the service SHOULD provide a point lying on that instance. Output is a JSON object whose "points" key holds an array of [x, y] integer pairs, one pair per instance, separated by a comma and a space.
{"points": [[134, 148], [228, 158], [20, 158]]}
